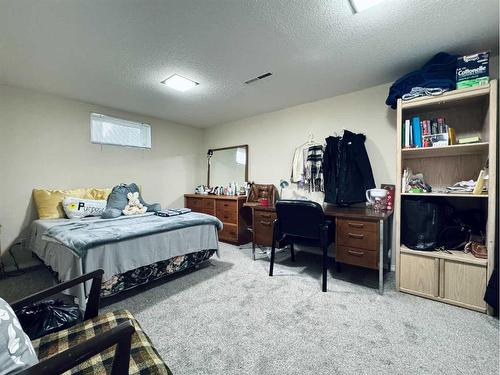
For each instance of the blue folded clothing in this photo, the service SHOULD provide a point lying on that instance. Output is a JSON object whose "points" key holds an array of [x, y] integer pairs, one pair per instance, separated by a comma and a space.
{"points": [[438, 72]]}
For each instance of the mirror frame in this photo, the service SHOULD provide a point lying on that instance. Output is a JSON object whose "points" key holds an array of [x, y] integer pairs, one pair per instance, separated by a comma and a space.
{"points": [[221, 149]]}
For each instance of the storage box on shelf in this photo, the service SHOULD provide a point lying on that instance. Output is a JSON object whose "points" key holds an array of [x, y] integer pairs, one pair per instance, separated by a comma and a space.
{"points": [[453, 277]]}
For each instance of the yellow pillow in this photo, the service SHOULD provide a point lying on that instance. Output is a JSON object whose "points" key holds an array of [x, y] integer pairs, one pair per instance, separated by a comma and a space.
{"points": [[97, 194], [49, 202]]}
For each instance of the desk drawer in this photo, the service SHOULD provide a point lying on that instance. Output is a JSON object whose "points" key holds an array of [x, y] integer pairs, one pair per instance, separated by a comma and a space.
{"points": [[357, 257], [263, 227], [229, 233], [227, 211], [364, 226], [362, 237]]}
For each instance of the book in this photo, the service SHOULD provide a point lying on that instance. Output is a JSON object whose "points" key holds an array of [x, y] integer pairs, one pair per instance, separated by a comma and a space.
{"points": [[407, 134], [417, 131], [465, 140], [452, 140], [478, 188]]}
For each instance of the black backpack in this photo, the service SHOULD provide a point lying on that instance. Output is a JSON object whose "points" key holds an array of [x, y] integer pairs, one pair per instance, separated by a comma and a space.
{"points": [[422, 221]]}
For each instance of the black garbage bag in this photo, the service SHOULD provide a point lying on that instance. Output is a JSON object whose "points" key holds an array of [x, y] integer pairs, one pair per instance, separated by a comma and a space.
{"points": [[48, 316]]}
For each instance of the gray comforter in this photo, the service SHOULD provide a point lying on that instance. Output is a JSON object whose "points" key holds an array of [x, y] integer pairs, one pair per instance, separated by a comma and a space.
{"points": [[80, 236]]}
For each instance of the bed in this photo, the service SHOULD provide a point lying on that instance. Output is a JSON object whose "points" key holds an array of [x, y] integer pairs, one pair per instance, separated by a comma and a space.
{"points": [[132, 251]]}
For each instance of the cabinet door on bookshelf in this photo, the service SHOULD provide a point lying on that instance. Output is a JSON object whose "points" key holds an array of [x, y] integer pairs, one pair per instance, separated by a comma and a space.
{"points": [[419, 274], [463, 283]]}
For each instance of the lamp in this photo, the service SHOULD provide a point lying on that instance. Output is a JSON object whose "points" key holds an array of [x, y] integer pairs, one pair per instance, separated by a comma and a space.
{"points": [[283, 184]]}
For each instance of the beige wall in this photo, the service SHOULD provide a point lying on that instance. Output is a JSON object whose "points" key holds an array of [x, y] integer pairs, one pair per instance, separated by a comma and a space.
{"points": [[45, 143], [272, 137]]}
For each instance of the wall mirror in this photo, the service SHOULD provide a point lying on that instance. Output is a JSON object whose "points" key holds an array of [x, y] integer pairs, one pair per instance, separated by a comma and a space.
{"points": [[227, 164]]}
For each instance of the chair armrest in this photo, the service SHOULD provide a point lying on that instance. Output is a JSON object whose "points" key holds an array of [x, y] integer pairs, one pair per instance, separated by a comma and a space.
{"points": [[92, 308], [121, 336]]}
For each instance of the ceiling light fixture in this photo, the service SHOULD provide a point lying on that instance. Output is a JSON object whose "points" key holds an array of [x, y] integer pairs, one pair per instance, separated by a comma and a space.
{"points": [[361, 5], [179, 83]]}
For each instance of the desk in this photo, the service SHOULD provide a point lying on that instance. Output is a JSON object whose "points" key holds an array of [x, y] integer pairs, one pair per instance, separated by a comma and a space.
{"points": [[363, 237]]}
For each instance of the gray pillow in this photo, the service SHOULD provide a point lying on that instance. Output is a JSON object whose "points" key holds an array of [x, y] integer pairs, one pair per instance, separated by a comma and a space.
{"points": [[16, 350], [117, 200]]}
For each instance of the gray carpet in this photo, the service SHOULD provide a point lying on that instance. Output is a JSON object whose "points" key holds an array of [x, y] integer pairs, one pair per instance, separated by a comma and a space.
{"points": [[231, 318]]}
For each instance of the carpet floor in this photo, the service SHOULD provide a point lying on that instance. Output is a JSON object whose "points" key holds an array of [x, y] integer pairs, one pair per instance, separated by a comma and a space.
{"points": [[229, 317]]}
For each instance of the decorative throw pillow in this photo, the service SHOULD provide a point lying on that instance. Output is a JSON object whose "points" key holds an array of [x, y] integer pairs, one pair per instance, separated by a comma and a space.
{"points": [[76, 208], [49, 202], [118, 199], [16, 350]]}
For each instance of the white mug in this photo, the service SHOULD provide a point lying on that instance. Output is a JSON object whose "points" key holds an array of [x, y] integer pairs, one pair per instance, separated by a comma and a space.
{"points": [[371, 194]]}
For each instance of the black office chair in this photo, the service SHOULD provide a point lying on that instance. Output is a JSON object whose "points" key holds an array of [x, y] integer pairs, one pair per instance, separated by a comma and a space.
{"points": [[303, 223]]}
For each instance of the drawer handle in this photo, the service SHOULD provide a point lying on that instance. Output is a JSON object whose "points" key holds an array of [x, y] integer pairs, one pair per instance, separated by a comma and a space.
{"points": [[357, 236], [356, 225], [356, 253], [226, 205], [226, 217], [267, 223]]}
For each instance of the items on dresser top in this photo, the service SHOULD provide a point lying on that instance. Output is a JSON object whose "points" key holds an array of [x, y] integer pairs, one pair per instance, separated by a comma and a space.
{"points": [[346, 169], [229, 210]]}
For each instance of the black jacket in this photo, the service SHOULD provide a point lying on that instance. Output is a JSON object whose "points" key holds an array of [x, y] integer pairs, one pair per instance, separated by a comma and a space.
{"points": [[346, 169]]}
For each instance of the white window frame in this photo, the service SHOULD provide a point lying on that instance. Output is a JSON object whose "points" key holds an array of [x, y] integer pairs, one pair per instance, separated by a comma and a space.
{"points": [[96, 136]]}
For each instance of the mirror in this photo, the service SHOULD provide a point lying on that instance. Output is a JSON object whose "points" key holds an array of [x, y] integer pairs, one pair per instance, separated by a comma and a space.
{"points": [[228, 164]]}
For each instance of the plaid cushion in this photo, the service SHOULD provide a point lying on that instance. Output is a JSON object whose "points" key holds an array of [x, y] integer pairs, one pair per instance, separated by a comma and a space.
{"points": [[144, 358]]}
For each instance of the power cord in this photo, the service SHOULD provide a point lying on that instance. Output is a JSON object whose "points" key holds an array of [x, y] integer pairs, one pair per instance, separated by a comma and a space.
{"points": [[18, 271]]}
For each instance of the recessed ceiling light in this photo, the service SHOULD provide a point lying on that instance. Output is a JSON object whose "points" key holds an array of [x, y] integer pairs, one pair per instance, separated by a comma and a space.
{"points": [[179, 83], [361, 5]]}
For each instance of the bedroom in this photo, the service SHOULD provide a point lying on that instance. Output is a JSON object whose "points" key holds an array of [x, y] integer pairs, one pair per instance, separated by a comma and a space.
{"points": [[332, 66]]}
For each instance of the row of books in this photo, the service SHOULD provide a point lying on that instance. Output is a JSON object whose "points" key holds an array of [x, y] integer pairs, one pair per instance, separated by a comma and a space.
{"points": [[427, 133]]}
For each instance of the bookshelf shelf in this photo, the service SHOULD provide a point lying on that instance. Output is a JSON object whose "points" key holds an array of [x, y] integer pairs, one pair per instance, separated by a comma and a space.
{"points": [[431, 152], [456, 255], [447, 98], [452, 277], [448, 195]]}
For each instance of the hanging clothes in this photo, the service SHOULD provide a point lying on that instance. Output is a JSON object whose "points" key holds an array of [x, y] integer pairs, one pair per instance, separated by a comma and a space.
{"points": [[298, 165], [314, 168], [347, 170]]}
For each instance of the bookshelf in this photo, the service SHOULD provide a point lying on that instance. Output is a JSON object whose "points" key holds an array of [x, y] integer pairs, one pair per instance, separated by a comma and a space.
{"points": [[450, 276]]}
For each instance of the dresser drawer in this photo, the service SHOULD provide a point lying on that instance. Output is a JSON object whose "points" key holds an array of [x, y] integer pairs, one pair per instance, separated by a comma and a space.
{"points": [[204, 205], [362, 237], [227, 211], [263, 227], [357, 257], [229, 233]]}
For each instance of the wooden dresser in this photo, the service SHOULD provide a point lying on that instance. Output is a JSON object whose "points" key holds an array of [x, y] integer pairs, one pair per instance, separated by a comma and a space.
{"points": [[229, 210]]}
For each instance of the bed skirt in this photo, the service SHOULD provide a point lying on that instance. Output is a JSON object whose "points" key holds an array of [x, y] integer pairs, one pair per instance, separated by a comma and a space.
{"points": [[143, 275]]}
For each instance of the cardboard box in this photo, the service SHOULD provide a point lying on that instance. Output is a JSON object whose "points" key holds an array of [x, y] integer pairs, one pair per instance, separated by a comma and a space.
{"points": [[473, 70]]}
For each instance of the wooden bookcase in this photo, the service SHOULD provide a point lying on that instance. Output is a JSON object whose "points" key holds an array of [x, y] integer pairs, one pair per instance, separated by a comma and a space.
{"points": [[455, 277]]}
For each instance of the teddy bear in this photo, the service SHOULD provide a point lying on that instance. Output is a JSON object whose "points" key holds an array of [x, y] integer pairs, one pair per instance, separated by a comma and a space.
{"points": [[134, 206]]}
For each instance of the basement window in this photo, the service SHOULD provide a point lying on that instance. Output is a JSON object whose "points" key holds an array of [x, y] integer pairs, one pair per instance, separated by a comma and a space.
{"points": [[107, 130]]}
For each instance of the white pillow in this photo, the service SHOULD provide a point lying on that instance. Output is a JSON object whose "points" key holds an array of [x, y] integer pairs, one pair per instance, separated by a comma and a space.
{"points": [[16, 350], [76, 208]]}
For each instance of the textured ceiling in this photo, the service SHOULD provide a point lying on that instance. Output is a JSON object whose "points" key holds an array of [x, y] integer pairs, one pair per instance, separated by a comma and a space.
{"points": [[116, 52]]}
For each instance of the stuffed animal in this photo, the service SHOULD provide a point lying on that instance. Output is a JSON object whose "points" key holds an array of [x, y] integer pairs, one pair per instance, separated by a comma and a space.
{"points": [[134, 206]]}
